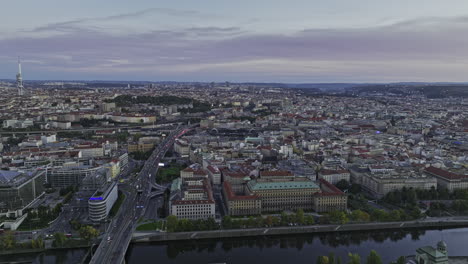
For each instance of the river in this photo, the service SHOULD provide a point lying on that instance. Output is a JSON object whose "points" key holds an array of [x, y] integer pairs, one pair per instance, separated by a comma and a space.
{"points": [[297, 249], [294, 249]]}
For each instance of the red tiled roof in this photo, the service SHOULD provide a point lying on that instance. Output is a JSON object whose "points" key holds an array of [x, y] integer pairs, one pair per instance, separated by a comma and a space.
{"points": [[445, 174], [232, 196], [332, 190]]}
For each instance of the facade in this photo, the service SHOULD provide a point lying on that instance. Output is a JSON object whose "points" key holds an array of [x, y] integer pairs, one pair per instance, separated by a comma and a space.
{"points": [[451, 181], [237, 179], [379, 184], [192, 198], [277, 196], [100, 204], [239, 205], [215, 174], [330, 198], [91, 151], [334, 176], [18, 190], [65, 176], [182, 148]]}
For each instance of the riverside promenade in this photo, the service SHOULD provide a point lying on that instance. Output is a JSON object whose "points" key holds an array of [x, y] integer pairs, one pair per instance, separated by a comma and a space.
{"points": [[429, 223]]}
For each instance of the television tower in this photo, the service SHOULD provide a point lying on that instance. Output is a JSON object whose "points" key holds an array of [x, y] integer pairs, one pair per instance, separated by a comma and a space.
{"points": [[19, 80]]}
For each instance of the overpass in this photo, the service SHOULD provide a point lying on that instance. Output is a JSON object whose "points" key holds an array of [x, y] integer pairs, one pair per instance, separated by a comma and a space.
{"points": [[119, 234]]}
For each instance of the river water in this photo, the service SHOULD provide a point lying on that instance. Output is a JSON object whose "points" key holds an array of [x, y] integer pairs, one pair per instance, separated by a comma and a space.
{"points": [[294, 249], [297, 249]]}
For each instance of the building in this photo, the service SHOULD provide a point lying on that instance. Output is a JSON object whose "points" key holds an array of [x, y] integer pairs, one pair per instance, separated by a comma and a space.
{"points": [[90, 151], [237, 179], [215, 174], [451, 181], [239, 205], [142, 146], [277, 196], [100, 204], [330, 198], [379, 183], [192, 199], [18, 190], [182, 148], [431, 255], [334, 176], [69, 175]]}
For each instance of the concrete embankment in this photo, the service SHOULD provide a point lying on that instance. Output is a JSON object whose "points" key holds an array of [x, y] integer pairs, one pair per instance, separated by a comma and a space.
{"points": [[153, 236]]}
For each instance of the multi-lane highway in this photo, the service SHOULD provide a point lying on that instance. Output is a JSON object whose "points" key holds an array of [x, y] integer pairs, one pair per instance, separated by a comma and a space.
{"points": [[118, 235]]}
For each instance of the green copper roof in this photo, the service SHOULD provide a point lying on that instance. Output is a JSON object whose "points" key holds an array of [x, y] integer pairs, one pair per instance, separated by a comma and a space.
{"points": [[431, 251], [254, 185]]}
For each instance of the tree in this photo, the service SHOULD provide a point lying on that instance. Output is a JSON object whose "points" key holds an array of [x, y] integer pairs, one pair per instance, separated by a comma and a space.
{"points": [[9, 240], [338, 217], [355, 188], [227, 222], [331, 258], [171, 223], [354, 259], [59, 240], [284, 219], [88, 233], [300, 217], [360, 216], [309, 220], [343, 185], [374, 258], [401, 260], [269, 221], [323, 260], [411, 196]]}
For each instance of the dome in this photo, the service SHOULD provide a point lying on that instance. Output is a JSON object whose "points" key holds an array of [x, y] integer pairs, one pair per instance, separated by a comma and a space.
{"points": [[442, 246]]}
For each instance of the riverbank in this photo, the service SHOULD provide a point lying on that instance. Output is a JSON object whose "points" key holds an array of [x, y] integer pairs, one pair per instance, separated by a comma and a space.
{"points": [[38, 250], [155, 236]]}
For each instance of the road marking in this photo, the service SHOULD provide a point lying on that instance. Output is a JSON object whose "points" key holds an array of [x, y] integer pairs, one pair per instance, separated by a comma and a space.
{"points": [[402, 224], [338, 227], [193, 235], [266, 230]]}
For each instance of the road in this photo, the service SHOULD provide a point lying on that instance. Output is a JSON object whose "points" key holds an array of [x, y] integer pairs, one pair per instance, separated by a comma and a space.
{"points": [[119, 233], [159, 125]]}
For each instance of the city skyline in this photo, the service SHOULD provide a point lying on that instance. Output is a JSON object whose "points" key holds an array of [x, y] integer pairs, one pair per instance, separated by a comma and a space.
{"points": [[305, 41]]}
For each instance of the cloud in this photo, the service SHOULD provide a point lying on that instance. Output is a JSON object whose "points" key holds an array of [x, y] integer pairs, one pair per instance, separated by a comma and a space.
{"points": [[431, 48], [83, 23]]}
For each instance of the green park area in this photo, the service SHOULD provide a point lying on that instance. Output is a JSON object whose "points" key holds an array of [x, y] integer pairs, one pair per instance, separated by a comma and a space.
{"points": [[169, 172]]}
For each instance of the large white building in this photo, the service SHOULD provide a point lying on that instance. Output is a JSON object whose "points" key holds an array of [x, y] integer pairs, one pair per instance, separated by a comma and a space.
{"points": [[192, 199], [102, 201], [379, 183]]}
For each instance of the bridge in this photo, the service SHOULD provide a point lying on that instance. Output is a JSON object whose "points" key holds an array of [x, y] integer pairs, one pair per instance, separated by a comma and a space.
{"points": [[119, 234]]}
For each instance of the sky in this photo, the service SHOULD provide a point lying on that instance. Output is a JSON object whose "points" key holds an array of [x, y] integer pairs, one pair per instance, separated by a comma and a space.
{"points": [[293, 41]]}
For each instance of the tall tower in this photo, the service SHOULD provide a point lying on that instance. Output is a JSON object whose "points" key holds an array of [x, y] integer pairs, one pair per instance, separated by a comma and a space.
{"points": [[19, 80]]}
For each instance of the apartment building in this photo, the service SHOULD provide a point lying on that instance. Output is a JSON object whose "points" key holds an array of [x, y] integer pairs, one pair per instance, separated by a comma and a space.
{"points": [[330, 198], [450, 180], [277, 196], [239, 205]]}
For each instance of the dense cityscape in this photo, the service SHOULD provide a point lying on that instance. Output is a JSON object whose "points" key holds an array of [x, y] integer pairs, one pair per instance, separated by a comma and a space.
{"points": [[234, 132], [102, 164]]}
